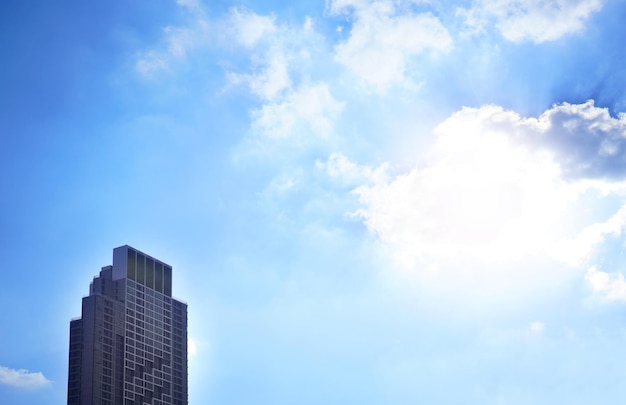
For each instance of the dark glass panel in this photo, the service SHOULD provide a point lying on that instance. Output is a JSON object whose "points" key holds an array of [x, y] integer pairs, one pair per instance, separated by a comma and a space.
{"points": [[167, 281], [149, 273], [158, 277], [130, 268], [141, 268]]}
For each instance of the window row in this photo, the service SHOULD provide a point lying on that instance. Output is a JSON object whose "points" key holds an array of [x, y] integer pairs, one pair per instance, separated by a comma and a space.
{"points": [[149, 272]]}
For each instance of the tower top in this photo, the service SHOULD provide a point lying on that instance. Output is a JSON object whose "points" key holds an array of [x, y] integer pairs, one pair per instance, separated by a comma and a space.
{"points": [[135, 265]]}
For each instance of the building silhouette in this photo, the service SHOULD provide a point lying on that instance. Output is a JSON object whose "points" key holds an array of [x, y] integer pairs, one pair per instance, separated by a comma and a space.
{"points": [[129, 346]]}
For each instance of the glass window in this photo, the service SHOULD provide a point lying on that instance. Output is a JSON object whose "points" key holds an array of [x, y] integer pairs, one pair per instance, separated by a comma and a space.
{"points": [[130, 268], [167, 282], [158, 277], [141, 269], [149, 272]]}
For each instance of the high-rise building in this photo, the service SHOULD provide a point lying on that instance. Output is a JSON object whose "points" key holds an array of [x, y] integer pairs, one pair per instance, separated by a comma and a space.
{"points": [[129, 347]]}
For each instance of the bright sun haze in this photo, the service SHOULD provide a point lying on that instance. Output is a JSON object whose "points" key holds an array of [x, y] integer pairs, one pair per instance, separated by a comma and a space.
{"points": [[368, 202]]}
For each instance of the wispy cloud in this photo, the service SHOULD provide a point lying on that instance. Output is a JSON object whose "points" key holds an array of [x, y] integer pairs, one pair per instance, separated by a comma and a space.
{"points": [[308, 109], [535, 20], [22, 378], [248, 28], [536, 328], [271, 77], [578, 249], [387, 31], [177, 41], [610, 287], [346, 173], [275, 53], [293, 105], [191, 4]]}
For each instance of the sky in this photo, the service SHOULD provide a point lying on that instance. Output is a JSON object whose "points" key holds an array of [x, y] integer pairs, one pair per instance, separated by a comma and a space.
{"points": [[369, 202]]}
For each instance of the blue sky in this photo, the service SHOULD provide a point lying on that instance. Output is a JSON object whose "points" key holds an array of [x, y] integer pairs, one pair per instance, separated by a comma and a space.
{"points": [[365, 202]]}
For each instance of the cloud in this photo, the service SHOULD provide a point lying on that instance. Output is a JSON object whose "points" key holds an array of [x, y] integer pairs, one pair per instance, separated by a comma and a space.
{"points": [[275, 52], [610, 287], [293, 106], [249, 28], [150, 62], [583, 139], [384, 39], [578, 249], [533, 20], [497, 189], [192, 4], [346, 173], [22, 378], [483, 196], [537, 328], [178, 41], [309, 109], [588, 141], [281, 185], [272, 79]]}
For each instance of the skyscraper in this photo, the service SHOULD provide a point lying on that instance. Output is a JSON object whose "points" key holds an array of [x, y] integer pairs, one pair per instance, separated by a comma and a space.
{"points": [[129, 347]]}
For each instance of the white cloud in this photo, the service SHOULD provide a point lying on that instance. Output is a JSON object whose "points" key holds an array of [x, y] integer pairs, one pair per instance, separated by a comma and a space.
{"points": [[178, 41], [281, 185], [152, 61], [610, 287], [384, 39], [537, 328], [182, 40], [483, 197], [271, 80], [279, 54], [294, 107], [192, 4], [248, 27], [269, 53], [498, 188], [310, 109], [534, 20], [588, 141], [346, 173], [578, 249], [584, 140], [22, 378]]}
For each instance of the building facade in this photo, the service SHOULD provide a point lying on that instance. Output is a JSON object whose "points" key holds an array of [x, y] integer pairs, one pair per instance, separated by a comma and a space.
{"points": [[129, 347]]}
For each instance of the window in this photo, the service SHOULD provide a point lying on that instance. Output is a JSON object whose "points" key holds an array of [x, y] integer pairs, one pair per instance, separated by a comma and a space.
{"points": [[141, 269], [167, 281], [130, 273], [158, 277], [149, 273]]}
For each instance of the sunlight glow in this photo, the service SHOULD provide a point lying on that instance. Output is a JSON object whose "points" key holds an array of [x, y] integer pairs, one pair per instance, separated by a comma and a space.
{"points": [[483, 196]]}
